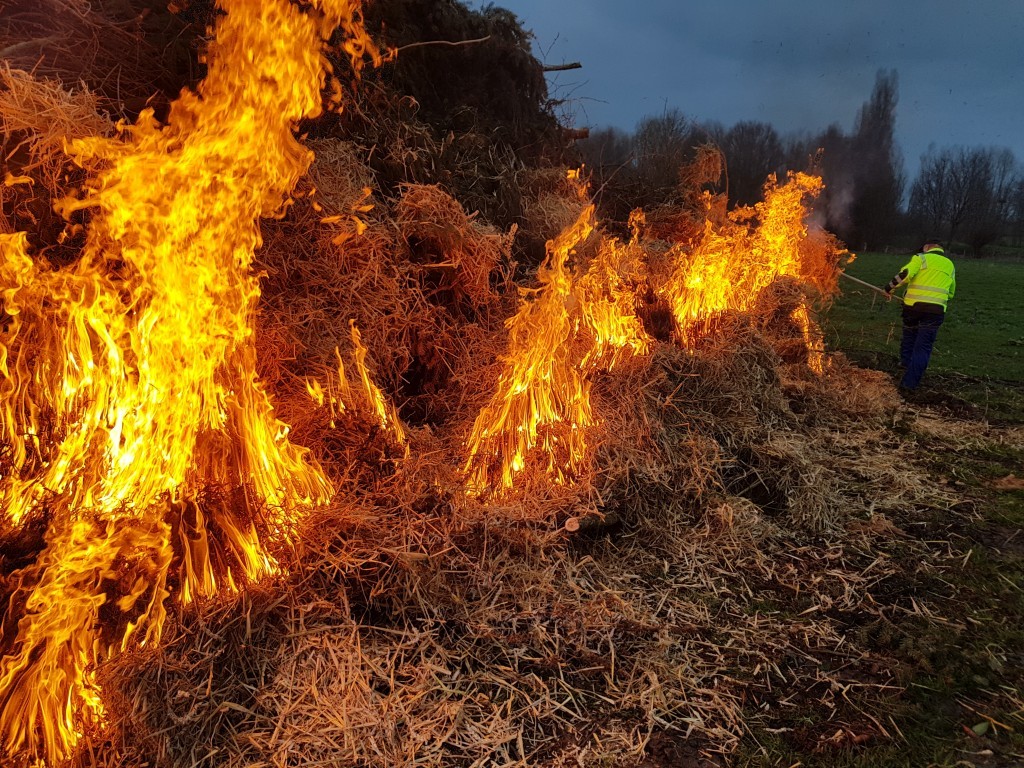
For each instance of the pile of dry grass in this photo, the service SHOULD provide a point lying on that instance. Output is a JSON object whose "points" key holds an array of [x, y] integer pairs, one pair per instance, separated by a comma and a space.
{"points": [[37, 117], [418, 626], [732, 532], [127, 52], [418, 275], [731, 528]]}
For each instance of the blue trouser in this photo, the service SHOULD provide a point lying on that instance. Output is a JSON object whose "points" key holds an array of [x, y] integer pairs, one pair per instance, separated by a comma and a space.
{"points": [[919, 330]]}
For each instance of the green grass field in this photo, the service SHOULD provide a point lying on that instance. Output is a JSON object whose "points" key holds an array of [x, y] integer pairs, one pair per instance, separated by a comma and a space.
{"points": [[983, 335], [979, 353]]}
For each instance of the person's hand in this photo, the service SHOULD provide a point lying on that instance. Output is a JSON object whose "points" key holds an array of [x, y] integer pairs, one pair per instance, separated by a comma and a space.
{"points": [[888, 293]]}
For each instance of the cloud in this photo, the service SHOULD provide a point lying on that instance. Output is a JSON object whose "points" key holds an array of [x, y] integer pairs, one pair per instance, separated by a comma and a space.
{"points": [[800, 65]]}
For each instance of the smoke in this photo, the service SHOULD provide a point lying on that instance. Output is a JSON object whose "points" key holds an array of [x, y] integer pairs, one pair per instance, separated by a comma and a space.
{"points": [[840, 198]]}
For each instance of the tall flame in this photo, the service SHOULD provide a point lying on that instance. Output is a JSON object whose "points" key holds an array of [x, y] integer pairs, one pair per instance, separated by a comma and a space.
{"points": [[542, 403], [608, 301], [733, 263], [340, 395], [812, 336], [541, 388], [128, 380], [543, 396]]}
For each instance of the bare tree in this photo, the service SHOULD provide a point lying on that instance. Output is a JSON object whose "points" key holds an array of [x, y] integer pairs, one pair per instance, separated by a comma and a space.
{"points": [[608, 154], [970, 178], [662, 145], [752, 151], [831, 157], [606, 148], [863, 172], [995, 199], [949, 188], [877, 165], [1017, 210], [966, 193], [931, 192]]}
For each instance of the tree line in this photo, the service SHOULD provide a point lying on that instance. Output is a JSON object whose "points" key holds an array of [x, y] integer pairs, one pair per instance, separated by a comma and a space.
{"points": [[969, 196]]}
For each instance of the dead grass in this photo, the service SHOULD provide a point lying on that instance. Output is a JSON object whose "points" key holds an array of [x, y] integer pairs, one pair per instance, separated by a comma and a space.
{"points": [[420, 627], [43, 115], [733, 523]]}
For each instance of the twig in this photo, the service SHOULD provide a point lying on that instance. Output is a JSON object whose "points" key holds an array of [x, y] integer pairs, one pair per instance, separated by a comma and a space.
{"points": [[450, 43], [16, 48]]}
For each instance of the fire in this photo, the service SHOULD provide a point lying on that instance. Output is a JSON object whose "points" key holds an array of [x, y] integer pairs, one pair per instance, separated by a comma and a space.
{"points": [[815, 344], [735, 262], [130, 406], [385, 412], [543, 396], [541, 389], [128, 380], [341, 396], [608, 301]]}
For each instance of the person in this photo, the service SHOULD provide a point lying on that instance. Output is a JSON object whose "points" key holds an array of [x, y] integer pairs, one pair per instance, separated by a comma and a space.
{"points": [[931, 282]]}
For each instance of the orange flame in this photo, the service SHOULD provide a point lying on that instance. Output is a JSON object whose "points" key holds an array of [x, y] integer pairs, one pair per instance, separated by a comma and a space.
{"points": [[543, 396], [813, 340], [386, 413], [340, 397], [128, 380], [540, 388], [733, 263], [608, 302]]}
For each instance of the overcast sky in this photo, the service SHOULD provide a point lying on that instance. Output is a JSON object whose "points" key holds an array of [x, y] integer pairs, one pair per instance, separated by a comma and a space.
{"points": [[798, 64]]}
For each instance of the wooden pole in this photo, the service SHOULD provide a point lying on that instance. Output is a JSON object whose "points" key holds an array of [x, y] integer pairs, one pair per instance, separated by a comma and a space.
{"points": [[874, 288]]}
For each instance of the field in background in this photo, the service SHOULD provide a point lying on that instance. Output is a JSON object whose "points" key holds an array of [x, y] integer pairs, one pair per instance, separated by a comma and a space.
{"points": [[983, 334], [979, 353]]}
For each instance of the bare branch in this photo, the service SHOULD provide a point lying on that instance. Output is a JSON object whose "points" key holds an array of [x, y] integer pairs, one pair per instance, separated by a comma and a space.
{"points": [[563, 67], [449, 43]]}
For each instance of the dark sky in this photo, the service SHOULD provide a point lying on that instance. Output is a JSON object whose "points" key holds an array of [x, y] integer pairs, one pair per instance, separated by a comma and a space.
{"points": [[798, 64]]}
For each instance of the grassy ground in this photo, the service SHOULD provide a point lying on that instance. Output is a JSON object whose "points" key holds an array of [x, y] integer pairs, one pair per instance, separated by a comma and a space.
{"points": [[961, 656], [983, 335], [961, 659]]}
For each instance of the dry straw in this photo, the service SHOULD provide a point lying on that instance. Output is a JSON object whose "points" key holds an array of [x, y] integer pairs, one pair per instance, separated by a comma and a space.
{"points": [[735, 526]]}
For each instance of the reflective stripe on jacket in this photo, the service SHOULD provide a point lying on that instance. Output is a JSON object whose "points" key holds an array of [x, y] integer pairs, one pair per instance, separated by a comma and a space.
{"points": [[932, 279]]}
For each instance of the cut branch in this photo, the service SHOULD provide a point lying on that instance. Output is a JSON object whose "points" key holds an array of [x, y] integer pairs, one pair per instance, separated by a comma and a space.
{"points": [[563, 67]]}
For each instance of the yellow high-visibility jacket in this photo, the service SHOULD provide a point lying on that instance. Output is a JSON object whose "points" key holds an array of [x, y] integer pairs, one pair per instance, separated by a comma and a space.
{"points": [[931, 276]]}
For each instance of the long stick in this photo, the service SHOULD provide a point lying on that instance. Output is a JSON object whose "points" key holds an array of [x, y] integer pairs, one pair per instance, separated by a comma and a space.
{"points": [[874, 288]]}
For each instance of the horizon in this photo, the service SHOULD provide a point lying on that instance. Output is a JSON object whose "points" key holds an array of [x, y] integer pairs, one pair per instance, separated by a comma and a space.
{"points": [[789, 68]]}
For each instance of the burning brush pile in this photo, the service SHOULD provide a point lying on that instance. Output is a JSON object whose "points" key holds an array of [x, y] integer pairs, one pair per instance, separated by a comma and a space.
{"points": [[294, 471]]}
